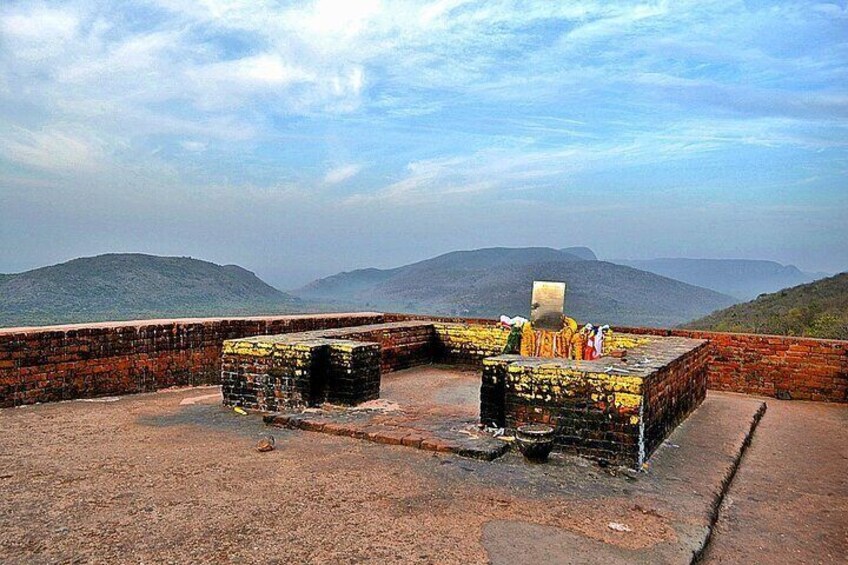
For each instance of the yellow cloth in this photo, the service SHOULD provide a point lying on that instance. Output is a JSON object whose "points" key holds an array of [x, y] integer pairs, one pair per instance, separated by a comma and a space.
{"points": [[528, 340], [578, 340], [544, 343], [546, 346], [565, 342]]}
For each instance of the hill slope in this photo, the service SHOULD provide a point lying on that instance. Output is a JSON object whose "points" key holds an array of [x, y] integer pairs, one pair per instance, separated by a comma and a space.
{"points": [[818, 309], [489, 282], [128, 286], [581, 252], [741, 278]]}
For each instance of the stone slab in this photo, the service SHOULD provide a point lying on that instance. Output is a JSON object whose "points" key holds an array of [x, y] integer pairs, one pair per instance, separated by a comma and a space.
{"points": [[459, 437]]}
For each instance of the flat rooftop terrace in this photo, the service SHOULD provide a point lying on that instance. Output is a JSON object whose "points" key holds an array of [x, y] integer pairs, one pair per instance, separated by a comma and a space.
{"points": [[175, 476]]}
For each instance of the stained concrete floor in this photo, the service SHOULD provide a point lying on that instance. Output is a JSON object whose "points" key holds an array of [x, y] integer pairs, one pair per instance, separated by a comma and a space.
{"points": [[432, 407], [174, 477]]}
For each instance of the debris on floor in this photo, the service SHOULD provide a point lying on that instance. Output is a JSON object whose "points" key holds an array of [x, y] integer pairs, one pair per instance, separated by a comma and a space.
{"points": [[265, 444]]}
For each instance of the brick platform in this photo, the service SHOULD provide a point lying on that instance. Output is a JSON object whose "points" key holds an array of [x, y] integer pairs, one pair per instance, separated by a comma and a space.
{"points": [[608, 408], [340, 366]]}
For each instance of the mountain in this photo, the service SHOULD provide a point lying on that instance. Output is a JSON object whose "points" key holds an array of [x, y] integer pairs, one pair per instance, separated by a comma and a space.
{"points": [[581, 252], [741, 278], [129, 286], [489, 282], [818, 309]]}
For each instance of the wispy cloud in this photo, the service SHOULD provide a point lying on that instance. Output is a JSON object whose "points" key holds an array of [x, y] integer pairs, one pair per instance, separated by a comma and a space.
{"points": [[342, 173], [53, 150], [445, 101]]}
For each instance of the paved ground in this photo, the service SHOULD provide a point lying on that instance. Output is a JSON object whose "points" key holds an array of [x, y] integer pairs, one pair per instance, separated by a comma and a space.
{"points": [[434, 388], [434, 408], [174, 477], [789, 500]]}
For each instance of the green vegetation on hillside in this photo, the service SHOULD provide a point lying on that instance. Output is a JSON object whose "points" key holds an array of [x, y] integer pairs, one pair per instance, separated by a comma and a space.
{"points": [[135, 286], [818, 309]]}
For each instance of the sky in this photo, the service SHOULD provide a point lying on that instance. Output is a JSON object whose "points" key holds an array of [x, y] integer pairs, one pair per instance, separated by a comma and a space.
{"points": [[302, 139]]}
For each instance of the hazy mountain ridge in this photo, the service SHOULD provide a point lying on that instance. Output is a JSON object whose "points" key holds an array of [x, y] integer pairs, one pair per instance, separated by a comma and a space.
{"points": [[489, 282], [818, 309], [744, 279], [131, 285], [582, 252], [347, 284]]}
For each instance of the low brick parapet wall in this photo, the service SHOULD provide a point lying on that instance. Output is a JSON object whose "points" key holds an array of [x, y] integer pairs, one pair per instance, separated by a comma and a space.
{"points": [[784, 367], [780, 366], [43, 364], [46, 364]]}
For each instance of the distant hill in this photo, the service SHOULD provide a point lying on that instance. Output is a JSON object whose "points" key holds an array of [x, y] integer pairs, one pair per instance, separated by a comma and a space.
{"points": [[489, 282], [741, 278], [581, 252], [818, 309], [129, 286]]}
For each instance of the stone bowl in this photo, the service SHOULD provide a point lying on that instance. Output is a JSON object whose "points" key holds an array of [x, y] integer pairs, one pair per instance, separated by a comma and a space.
{"points": [[535, 441]]}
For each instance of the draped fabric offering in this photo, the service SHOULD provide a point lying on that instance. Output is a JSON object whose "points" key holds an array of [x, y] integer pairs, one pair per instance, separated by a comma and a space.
{"points": [[543, 343], [528, 341], [569, 343]]}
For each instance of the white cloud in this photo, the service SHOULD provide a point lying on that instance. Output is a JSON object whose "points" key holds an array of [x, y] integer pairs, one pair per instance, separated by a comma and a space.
{"points": [[52, 150], [194, 146], [38, 25], [263, 71], [342, 173], [236, 70]]}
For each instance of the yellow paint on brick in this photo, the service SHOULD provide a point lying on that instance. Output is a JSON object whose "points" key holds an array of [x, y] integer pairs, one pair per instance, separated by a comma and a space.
{"points": [[485, 338], [242, 347], [618, 341], [628, 400]]}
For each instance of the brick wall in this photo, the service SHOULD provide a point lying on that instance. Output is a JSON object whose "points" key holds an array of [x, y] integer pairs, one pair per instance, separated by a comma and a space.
{"points": [[63, 362], [671, 395], [779, 366], [268, 379], [401, 346], [468, 343], [784, 367]]}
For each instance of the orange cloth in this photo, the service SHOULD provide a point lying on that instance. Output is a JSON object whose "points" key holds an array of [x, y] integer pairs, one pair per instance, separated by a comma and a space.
{"points": [[578, 341], [543, 343], [547, 344], [528, 341]]}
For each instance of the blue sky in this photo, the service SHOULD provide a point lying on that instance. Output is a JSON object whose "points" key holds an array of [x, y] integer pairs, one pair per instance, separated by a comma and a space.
{"points": [[300, 139]]}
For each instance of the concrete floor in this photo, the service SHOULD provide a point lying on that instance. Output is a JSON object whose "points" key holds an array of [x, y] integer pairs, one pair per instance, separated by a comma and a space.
{"points": [[174, 477], [435, 388], [431, 407], [789, 500]]}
